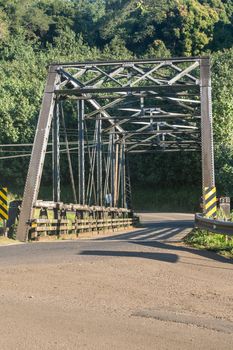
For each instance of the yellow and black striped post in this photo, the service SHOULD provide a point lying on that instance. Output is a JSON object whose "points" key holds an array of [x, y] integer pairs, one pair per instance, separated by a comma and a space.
{"points": [[3, 204], [210, 202]]}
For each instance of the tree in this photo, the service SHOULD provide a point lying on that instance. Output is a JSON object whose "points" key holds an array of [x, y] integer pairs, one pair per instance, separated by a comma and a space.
{"points": [[222, 72], [3, 26], [188, 27]]}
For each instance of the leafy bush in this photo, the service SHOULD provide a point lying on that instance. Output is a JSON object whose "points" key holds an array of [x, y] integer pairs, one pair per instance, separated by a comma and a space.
{"points": [[215, 242]]}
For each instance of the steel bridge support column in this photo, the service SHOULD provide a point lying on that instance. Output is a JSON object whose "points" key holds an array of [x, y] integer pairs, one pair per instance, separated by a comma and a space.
{"points": [[128, 184], [68, 154], [56, 155], [123, 185], [113, 158], [208, 175], [116, 189], [81, 152], [38, 155], [99, 164]]}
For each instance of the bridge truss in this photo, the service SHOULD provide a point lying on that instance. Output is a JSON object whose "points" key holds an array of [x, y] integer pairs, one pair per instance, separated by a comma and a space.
{"points": [[122, 108]]}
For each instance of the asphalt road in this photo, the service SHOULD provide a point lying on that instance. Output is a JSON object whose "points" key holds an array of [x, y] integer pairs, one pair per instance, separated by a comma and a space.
{"points": [[142, 289]]}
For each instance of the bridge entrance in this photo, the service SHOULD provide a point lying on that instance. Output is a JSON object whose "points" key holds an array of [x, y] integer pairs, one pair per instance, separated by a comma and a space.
{"points": [[121, 107]]}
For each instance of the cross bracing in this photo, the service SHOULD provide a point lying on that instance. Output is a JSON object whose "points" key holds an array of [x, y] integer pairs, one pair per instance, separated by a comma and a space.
{"points": [[151, 105], [122, 108]]}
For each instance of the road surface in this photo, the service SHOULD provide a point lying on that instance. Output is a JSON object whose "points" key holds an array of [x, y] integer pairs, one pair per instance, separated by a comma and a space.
{"points": [[139, 290]]}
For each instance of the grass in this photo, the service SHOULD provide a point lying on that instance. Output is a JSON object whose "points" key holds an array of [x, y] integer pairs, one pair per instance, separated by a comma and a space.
{"points": [[202, 239]]}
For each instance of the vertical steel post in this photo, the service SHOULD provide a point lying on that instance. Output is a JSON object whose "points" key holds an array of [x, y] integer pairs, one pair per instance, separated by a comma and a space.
{"points": [[81, 152], [107, 172], [56, 155], [68, 155], [113, 155], [123, 187], [116, 192], [208, 175], [99, 163], [128, 185]]}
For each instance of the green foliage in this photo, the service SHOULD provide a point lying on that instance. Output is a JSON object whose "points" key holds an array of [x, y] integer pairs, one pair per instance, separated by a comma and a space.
{"points": [[166, 169], [218, 243], [157, 49], [224, 169], [3, 26], [191, 25], [222, 72], [28, 15], [165, 199], [118, 47], [34, 33]]}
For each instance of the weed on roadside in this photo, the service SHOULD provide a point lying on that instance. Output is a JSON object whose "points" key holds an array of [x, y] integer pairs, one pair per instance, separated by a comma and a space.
{"points": [[202, 239]]}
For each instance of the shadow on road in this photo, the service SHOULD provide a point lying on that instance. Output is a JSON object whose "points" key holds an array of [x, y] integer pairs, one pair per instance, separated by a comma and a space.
{"points": [[178, 248], [161, 235], [157, 231], [167, 257]]}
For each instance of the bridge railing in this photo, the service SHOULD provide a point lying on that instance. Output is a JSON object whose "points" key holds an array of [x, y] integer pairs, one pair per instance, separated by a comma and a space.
{"points": [[63, 219]]}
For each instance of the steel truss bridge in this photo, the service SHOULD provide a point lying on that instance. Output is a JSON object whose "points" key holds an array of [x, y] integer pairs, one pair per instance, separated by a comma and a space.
{"points": [[122, 108]]}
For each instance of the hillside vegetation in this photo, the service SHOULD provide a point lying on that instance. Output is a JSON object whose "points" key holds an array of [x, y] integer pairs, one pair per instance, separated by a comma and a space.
{"points": [[34, 33]]}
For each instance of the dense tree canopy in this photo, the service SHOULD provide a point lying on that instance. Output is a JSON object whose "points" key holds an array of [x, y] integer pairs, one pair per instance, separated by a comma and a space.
{"points": [[34, 33]]}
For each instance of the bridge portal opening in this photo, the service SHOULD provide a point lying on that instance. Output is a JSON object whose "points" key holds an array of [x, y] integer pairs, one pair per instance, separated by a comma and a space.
{"points": [[108, 113]]}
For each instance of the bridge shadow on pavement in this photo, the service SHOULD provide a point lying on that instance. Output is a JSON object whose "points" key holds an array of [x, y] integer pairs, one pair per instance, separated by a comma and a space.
{"points": [[186, 249], [166, 257], [161, 231], [166, 235]]}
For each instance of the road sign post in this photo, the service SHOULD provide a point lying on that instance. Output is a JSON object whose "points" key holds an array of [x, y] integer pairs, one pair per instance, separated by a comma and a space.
{"points": [[3, 208]]}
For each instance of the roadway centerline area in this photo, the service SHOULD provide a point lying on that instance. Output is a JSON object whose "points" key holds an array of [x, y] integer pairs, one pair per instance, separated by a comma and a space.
{"points": [[142, 289]]}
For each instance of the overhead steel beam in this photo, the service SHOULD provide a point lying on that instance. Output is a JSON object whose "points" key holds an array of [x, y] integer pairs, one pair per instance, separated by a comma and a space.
{"points": [[129, 62], [127, 89]]}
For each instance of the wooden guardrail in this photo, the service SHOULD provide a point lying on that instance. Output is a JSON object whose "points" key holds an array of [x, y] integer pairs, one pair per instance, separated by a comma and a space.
{"points": [[55, 219], [45, 227]]}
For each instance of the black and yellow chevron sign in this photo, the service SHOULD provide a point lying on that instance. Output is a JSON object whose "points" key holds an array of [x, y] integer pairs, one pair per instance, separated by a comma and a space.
{"points": [[3, 204], [210, 202]]}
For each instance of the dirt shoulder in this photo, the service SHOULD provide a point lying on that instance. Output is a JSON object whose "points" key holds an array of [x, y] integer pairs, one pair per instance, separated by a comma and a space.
{"points": [[116, 294]]}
